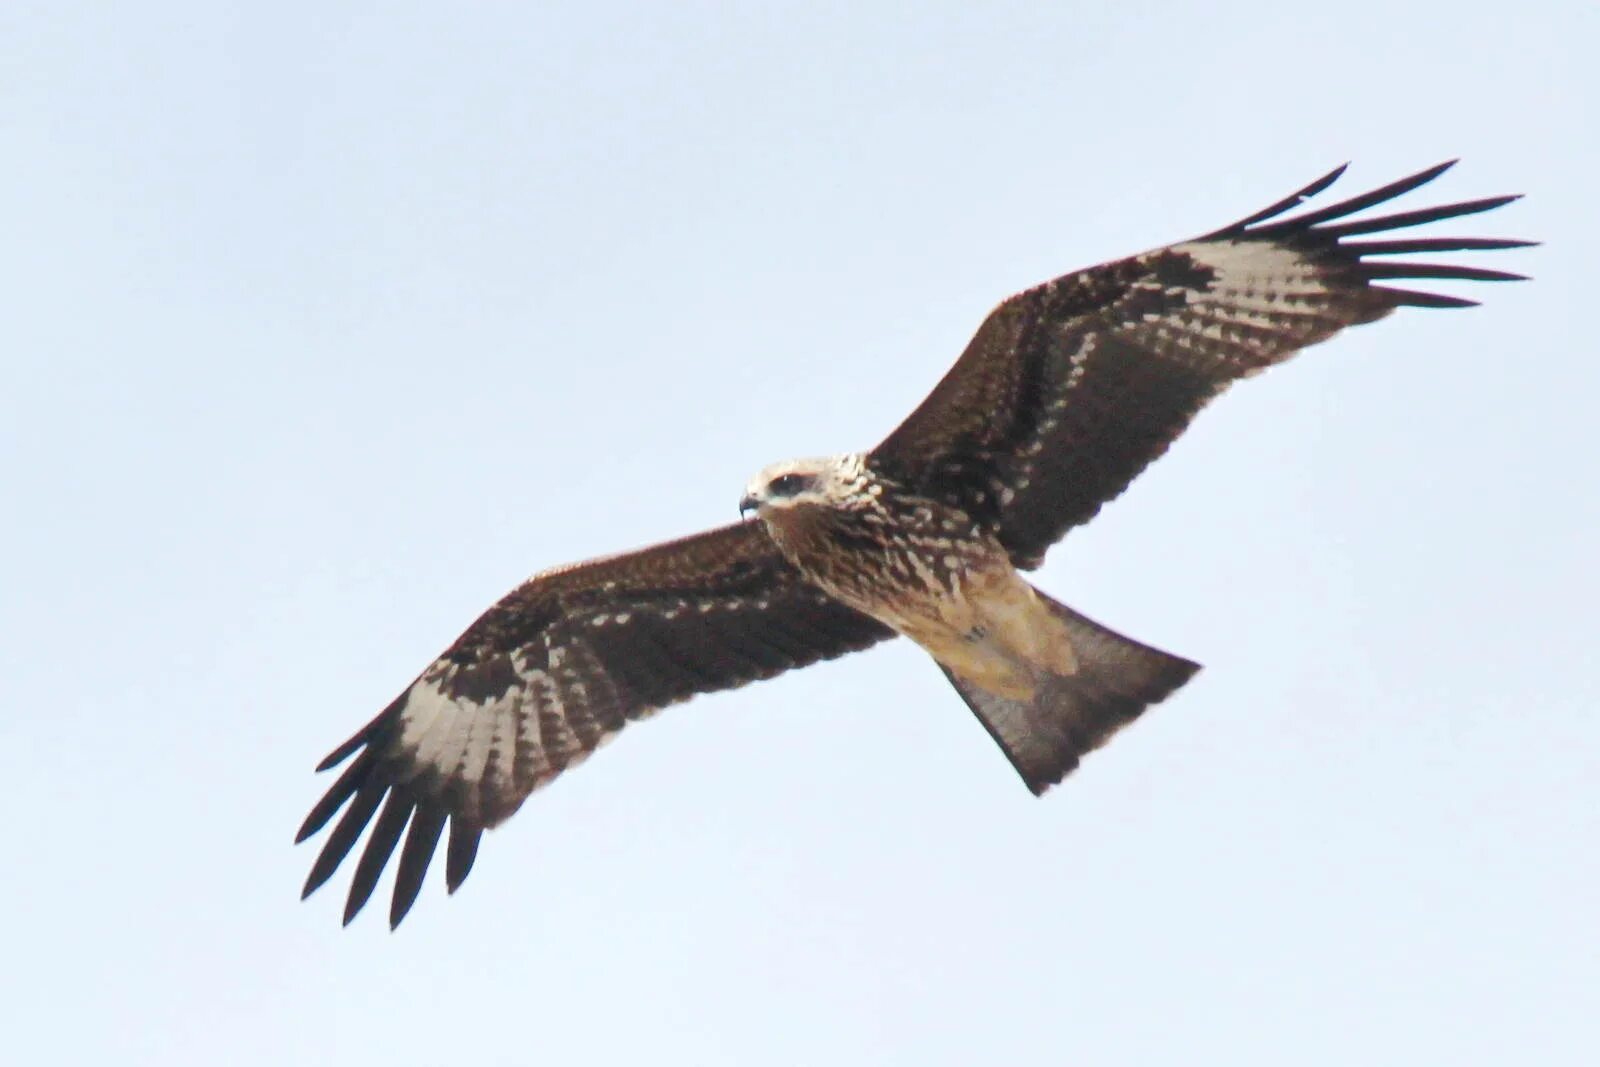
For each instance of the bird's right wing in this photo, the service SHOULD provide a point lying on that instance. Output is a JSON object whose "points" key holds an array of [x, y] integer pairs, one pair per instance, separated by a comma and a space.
{"points": [[551, 672]]}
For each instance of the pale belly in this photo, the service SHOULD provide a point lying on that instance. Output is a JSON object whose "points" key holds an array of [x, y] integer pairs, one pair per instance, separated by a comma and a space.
{"points": [[986, 626], [961, 600]]}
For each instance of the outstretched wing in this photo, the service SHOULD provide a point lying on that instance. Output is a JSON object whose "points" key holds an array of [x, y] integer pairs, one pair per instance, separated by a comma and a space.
{"points": [[549, 674], [1071, 388]]}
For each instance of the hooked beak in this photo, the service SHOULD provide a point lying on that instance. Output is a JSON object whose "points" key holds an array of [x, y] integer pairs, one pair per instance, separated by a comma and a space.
{"points": [[747, 504]]}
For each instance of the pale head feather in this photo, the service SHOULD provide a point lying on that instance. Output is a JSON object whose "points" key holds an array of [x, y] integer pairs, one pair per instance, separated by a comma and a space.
{"points": [[827, 481]]}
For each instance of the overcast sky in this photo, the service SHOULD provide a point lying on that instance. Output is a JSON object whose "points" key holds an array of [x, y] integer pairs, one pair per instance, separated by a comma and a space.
{"points": [[323, 325]]}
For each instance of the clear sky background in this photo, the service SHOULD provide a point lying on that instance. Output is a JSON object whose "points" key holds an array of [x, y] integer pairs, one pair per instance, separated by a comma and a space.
{"points": [[324, 324]]}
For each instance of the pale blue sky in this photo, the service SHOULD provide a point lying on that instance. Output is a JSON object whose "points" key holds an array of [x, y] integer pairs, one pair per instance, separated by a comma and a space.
{"points": [[326, 324]]}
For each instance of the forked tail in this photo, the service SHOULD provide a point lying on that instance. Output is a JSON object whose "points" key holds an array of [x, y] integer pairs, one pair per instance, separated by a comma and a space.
{"points": [[1071, 714]]}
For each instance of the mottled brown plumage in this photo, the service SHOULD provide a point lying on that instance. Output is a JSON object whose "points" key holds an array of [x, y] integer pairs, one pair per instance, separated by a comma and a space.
{"points": [[549, 674], [1066, 392]]}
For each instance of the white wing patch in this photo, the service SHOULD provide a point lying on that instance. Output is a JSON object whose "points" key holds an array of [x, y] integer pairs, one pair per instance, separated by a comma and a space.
{"points": [[434, 727], [477, 743], [1256, 275], [1264, 298]]}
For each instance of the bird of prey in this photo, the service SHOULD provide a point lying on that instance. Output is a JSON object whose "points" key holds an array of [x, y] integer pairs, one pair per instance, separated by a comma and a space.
{"points": [[1067, 391]]}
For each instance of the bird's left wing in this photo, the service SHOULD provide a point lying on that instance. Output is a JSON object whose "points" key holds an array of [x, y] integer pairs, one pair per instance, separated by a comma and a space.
{"points": [[551, 672], [1068, 390]]}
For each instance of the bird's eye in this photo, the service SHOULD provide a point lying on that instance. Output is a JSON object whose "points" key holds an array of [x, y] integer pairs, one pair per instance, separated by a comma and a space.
{"points": [[788, 484]]}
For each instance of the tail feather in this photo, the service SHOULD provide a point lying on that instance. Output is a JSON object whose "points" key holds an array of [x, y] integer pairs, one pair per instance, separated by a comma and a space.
{"points": [[1071, 714]]}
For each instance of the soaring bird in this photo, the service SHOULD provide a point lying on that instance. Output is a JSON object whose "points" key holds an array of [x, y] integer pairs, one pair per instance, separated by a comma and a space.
{"points": [[1067, 391]]}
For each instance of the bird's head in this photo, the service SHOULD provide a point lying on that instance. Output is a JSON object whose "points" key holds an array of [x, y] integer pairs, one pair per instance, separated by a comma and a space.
{"points": [[827, 482]]}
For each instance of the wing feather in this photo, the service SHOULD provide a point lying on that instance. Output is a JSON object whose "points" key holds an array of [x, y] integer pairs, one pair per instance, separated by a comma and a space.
{"points": [[549, 674], [1070, 389], [427, 825], [461, 853]]}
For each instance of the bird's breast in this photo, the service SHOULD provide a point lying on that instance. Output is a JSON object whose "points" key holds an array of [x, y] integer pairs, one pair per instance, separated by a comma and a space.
{"points": [[920, 568]]}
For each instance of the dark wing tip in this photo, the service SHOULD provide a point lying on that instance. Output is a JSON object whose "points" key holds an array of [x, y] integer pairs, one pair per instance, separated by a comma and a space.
{"points": [[362, 806], [1412, 298], [1433, 244], [1419, 217], [342, 790], [461, 852], [344, 751], [368, 737], [421, 841], [380, 846], [1350, 206], [1440, 271], [1288, 203], [1251, 223]]}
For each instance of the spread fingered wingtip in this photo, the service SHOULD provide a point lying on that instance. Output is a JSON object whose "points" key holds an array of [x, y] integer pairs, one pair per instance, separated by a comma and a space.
{"points": [[1353, 204]]}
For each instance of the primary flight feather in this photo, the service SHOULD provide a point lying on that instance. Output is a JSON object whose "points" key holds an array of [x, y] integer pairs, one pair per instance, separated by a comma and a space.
{"points": [[1067, 391]]}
